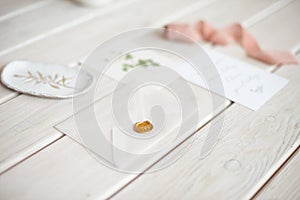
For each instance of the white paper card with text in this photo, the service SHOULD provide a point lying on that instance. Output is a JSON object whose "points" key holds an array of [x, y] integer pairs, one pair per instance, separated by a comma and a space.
{"points": [[241, 82]]}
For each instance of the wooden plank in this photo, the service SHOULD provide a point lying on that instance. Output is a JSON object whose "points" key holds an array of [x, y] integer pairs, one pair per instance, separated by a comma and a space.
{"points": [[285, 184], [32, 26], [51, 116], [6, 94], [285, 39], [280, 26], [250, 146], [83, 183], [23, 28], [65, 158], [47, 47], [43, 112], [60, 17], [12, 8], [93, 32], [39, 52]]}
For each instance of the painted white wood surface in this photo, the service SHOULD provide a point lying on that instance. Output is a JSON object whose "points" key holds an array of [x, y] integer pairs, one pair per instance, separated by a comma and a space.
{"points": [[45, 118], [249, 146], [285, 184], [33, 50], [28, 27], [283, 27], [13, 153], [12, 8], [79, 32], [42, 160], [85, 33]]}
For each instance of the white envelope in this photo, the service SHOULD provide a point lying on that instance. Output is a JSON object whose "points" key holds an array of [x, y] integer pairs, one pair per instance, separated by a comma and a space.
{"points": [[139, 109]]}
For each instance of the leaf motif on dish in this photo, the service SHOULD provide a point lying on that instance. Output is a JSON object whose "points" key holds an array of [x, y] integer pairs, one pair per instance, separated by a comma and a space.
{"points": [[131, 63], [56, 81]]}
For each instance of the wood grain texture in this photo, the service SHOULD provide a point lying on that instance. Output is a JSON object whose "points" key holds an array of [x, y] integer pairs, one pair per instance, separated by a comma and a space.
{"points": [[61, 15], [92, 30], [33, 50], [38, 115], [26, 126], [97, 181], [285, 184], [9, 10], [36, 134], [29, 25], [250, 144]]}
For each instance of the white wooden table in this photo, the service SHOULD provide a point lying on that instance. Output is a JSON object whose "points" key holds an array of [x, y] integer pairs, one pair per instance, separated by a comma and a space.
{"points": [[257, 154]]}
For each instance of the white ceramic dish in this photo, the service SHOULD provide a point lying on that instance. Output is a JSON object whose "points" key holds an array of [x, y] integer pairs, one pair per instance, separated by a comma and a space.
{"points": [[46, 80]]}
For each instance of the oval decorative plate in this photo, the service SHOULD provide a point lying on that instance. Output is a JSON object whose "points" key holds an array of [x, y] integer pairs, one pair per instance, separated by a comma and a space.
{"points": [[46, 80]]}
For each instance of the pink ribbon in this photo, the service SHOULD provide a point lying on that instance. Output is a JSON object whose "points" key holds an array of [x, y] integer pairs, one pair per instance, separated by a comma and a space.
{"points": [[203, 31]]}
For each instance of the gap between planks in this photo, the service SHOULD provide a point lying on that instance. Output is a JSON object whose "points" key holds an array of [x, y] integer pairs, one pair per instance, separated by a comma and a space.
{"points": [[25, 9], [74, 23], [247, 23], [256, 18], [167, 153], [251, 173], [262, 183], [30, 155], [85, 19], [284, 159], [254, 194], [181, 8], [187, 9], [281, 161]]}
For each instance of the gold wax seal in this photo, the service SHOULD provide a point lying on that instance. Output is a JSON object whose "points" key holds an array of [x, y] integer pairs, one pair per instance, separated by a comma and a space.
{"points": [[143, 127]]}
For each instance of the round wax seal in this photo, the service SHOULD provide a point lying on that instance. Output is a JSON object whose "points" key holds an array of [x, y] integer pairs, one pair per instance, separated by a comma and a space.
{"points": [[143, 127]]}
